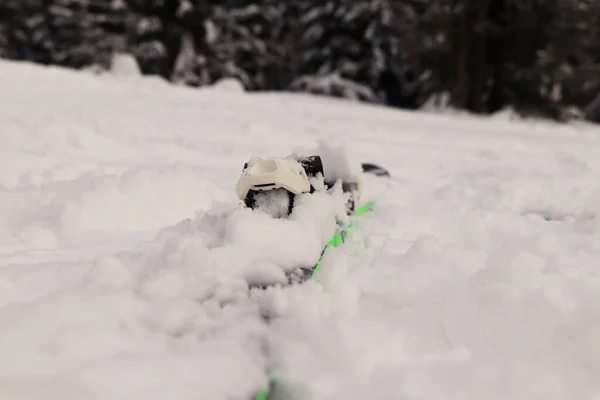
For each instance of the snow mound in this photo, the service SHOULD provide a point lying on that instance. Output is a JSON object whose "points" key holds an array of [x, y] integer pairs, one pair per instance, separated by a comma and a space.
{"points": [[191, 281], [125, 65], [128, 269], [229, 85]]}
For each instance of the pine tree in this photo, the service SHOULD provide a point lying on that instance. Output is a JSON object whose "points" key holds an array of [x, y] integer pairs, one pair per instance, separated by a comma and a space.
{"points": [[154, 34], [351, 49], [591, 82], [245, 43], [72, 33], [27, 36], [62, 32], [109, 19], [580, 83], [489, 54], [401, 81], [5, 19], [190, 67], [338, 47]]}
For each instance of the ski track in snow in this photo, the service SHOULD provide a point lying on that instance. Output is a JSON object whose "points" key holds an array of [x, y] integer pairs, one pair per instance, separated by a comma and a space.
{"points": [[124, 262]]}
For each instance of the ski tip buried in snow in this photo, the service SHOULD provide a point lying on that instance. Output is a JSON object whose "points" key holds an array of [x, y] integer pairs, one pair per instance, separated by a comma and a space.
{"points": [[370, 168]]}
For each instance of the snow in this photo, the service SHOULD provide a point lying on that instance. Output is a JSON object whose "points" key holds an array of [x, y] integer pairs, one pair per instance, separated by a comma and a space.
{"points": [[232, 85], [125, 64], [125, 260]]}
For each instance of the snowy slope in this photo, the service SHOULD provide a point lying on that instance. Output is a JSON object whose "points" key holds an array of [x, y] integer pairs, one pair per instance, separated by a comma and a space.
{"points": [[123, 261]]}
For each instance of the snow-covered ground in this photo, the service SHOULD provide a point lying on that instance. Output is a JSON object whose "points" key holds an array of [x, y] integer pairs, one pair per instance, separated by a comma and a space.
{"points": [[124, 262]]}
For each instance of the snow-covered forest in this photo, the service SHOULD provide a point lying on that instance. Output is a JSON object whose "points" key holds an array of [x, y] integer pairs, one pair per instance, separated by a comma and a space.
{"points": [[539, 57]]}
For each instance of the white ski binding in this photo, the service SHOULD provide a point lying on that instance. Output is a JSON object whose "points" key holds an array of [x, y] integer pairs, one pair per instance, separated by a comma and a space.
{"points": [[272, 184]]}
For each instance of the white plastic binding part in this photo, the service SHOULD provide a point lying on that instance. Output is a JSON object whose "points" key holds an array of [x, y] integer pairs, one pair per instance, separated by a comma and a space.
{"points": [[273, 174]]}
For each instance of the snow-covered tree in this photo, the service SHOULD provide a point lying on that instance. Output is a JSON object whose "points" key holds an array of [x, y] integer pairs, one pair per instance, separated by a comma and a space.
{"points": [[351, 48], [489, 54], [541, 57], [153, 34], [109, 18], [243, 40], [26, 36], [72, 33]]}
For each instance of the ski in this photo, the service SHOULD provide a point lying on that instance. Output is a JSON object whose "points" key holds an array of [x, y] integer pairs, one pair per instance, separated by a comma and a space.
{"points": [[341, 236], [272, 186], [337, 240]]}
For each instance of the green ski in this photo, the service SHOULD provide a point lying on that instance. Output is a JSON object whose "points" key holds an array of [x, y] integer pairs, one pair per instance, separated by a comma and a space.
{"points": [[336, 241]]}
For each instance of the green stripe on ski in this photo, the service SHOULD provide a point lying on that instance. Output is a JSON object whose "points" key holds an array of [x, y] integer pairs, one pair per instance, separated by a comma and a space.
{"points": [[336, 241], [365, 209], [264, 393]]}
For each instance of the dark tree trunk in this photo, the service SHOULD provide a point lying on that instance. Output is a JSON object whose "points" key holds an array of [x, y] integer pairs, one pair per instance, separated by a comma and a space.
{"points": [[592, 111]]}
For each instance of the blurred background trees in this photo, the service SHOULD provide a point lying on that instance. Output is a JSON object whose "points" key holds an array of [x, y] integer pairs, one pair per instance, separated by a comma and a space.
{"points": [[540, 57]]}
